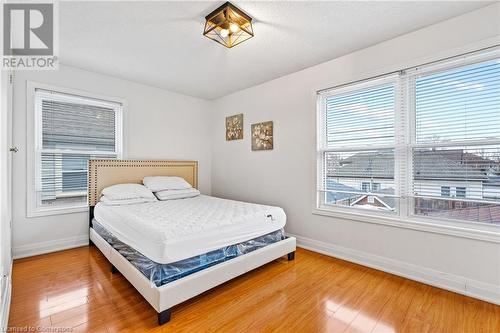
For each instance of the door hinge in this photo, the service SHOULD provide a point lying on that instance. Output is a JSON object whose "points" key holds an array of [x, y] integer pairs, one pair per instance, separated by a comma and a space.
{"points": [[11, 78]]}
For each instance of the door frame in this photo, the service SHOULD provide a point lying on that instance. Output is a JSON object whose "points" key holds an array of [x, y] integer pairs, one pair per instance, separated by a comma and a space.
{"points": [[6, 103]]}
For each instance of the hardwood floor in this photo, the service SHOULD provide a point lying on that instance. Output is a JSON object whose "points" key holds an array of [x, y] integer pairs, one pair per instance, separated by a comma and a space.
{"points": [[76, 290]]}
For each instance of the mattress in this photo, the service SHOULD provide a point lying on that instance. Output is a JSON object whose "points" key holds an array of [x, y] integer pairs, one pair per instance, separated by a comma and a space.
{"points": [[173, 230], [161, 274]]}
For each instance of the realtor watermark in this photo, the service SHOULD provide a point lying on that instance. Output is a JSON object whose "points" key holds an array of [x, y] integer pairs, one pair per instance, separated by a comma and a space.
{"points": [[30, 35]]}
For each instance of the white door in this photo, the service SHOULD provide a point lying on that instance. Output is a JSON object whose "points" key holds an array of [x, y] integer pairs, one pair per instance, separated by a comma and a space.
{"points": [[5, 191], [11, 150]]}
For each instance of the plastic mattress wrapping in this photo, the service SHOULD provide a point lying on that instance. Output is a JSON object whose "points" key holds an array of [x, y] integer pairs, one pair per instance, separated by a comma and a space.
{"points": [[161, 274]]}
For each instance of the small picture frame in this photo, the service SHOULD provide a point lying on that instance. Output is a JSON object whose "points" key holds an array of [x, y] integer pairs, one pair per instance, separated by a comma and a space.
{"points": [[262, 136], [234, 127]]}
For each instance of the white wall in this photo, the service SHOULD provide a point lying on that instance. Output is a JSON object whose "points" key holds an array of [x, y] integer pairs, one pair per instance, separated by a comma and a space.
{"points": [[285, 175], [158, 125]]}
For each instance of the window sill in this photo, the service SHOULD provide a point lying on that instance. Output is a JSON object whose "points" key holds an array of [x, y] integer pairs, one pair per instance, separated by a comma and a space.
{"points": [[457, 229], [74, 194], [55, 211]]}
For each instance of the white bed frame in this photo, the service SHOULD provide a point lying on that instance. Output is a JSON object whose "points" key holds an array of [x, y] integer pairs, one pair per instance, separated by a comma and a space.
{"points": [[103, 173]]}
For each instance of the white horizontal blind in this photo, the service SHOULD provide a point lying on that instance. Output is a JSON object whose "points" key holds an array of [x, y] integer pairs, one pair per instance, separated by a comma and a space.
{"points": [[456, 156], [459, 105], [67, 125], [361, 117], [71, 130], [357, 153]]}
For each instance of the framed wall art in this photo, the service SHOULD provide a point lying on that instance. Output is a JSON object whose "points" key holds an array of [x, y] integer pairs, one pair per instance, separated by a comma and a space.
{"points": [[262, 136], [234, 127]]}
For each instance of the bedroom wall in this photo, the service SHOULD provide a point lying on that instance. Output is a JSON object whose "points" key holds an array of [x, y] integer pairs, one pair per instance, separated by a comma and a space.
{"points": [[158, 124], [285, 175]]}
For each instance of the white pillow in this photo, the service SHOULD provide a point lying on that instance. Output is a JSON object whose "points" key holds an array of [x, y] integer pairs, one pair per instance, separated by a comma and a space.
{"points": [[127, 191], [109, 202], [177, 194], [160, 183]]}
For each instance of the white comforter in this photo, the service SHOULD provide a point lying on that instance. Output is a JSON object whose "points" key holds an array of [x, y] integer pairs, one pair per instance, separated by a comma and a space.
{"points": [[169, 231]]}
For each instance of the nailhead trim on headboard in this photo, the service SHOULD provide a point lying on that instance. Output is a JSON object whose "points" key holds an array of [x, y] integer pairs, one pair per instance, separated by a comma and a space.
{"points": [[95, 165]]}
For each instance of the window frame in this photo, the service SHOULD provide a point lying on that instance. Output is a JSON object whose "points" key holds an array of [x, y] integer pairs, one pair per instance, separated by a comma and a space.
{"points": [[321, 145], [405, 133], [411, 75], [34, 137]]}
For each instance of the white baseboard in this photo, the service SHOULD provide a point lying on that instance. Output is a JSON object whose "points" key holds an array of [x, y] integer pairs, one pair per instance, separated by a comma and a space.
{"points": [[50, 246], [459, 284]]}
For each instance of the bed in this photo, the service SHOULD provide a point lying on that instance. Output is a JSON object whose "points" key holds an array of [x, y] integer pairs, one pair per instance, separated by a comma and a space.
{"points": [[159, 248]]}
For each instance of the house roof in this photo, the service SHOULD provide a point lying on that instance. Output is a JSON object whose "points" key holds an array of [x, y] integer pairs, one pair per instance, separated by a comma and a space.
{"points": [[449, 165], [428, 165], [363, 165], [493, 180], [337, 196], [390, 201], [487, 213]]}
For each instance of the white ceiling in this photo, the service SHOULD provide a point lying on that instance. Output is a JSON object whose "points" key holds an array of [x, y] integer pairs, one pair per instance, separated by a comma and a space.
{"points": [[161, 43]]}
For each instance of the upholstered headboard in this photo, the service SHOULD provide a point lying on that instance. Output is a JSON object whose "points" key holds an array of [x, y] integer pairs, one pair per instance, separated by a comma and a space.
{"points": [[104, 173]]}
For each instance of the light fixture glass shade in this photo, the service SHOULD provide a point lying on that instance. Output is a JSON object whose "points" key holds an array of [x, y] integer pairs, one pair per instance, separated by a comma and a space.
{"points": [[228, 25]]}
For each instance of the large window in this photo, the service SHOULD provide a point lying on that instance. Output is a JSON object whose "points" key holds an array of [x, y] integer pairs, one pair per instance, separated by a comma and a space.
{"points": [[420, 145], [69, 130]]}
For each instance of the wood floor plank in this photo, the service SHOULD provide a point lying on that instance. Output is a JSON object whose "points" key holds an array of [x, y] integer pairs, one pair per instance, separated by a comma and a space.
{"points": [[75, 289]]}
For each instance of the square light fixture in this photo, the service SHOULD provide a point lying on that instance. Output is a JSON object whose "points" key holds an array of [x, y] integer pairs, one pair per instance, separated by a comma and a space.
{"points": [[228, 25]]}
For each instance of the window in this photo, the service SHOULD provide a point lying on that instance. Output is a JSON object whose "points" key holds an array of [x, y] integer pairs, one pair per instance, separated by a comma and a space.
{"points": [[70, 129], [422, 145], [357, 149], [457, 140], [445, 191], [370, 187], [461, 192]]}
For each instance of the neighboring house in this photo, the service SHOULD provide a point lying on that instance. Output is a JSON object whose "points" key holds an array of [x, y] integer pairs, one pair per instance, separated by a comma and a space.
{"points": [[437, 173], [350, 175], [64, 177], [362, 170], [451, 173], [491, 187]]}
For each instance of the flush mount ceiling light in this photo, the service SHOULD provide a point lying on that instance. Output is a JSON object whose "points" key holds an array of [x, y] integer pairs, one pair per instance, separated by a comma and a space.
{"points": [[228, 25]]}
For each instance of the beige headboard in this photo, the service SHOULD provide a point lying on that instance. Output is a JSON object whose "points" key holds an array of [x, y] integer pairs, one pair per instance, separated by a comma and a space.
{"points": [[104, 173]]}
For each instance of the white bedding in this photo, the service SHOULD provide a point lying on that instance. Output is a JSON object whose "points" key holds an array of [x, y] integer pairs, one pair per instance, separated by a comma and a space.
{"points": [[169, 231]]}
